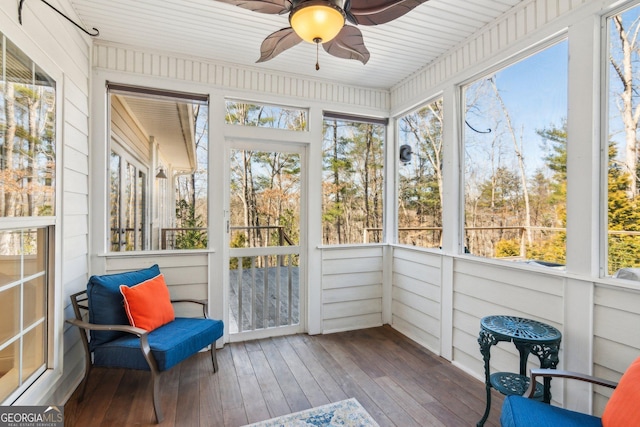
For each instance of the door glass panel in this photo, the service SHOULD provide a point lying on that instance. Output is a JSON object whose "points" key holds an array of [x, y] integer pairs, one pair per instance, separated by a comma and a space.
{"points": [[265, 199]]}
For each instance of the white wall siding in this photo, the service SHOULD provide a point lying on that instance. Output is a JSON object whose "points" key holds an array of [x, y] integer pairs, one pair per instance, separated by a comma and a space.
{"points": [[616, 338], [351, 288], [186, 274], [63, 52], [416, 296], [481, 289], [128, 59]]}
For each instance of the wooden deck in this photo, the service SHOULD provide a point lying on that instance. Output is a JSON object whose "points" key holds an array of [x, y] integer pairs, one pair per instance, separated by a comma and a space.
{"points": [[281, 285], [397, 381]]}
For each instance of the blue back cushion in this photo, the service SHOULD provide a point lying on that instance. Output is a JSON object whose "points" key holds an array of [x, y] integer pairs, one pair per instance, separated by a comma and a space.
{"points": [[106, 302]]}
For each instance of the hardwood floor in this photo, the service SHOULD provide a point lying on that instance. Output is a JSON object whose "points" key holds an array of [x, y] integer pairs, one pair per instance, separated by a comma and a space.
{"points": [[397, 381]]}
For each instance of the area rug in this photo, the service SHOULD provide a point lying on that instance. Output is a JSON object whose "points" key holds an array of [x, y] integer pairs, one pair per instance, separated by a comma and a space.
{"points": [[346, 413]]}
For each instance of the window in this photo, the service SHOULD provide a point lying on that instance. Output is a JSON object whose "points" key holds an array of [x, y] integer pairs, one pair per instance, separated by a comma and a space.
{"points": [[623, 213], [353, 160], [420, 177], [267, 116], [27, 168], [515, 160], [128, 205], [158, 169]]}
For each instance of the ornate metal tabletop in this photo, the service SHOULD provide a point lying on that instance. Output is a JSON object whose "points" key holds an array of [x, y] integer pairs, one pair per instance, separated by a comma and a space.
{"points": [[519, 328]]}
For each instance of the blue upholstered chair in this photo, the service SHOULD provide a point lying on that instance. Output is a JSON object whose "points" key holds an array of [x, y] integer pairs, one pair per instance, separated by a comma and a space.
{"points": [[622, 409], [113, 342]]}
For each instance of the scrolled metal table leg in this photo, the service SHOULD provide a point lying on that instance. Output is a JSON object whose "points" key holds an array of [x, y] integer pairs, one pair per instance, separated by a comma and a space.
{"points": [[486, 340]]}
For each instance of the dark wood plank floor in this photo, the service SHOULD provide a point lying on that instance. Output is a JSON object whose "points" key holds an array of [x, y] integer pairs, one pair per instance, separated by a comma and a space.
{"points": [[397, 381]]}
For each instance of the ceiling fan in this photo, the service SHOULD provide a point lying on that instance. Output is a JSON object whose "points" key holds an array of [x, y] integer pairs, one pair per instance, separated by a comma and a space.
{"points": [[324, 22]]}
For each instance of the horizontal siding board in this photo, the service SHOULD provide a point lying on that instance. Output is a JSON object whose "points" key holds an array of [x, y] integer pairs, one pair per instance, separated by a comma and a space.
{"points": [[351, 252], [419, 319], [417, 271], [352, 294], [481, 307], [417, 287], [351, 323], [348, 280], [530, 279], [621, 299], [512, 296], [128, 262], [430, 341], [418, 256], [77, 162], [617, 325], [352, 308], [416, 302], [352, 265]]}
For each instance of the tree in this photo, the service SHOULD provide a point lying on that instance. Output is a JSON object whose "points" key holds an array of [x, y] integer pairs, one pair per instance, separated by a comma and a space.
{"points": [[629, 106]]}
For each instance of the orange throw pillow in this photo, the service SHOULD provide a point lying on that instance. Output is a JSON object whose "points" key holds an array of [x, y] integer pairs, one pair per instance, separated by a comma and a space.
{"points": [[148, 304], [623, 408]]}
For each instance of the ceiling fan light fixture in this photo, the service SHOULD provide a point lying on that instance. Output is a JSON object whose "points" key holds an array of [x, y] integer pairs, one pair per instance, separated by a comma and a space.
{"points": [[317, 21]]}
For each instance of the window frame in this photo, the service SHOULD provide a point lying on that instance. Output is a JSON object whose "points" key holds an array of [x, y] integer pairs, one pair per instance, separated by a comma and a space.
{"points": [[495, 68], [353, 118], [30, 390]]}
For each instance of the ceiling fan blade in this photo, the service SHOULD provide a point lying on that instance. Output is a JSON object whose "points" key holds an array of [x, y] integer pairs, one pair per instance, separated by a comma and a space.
{"points": [[375, 12], [278, 42], [348, 44], [273, 7]]}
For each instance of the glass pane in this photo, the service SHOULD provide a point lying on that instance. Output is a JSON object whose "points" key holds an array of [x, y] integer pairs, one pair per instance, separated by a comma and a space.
{"points": [[34, 251], [27, 140], [140, 210], [191, 194], [114, 192], [269, 116], [9, 375], [10, 259], [34, 301], [129, 207], [353, 180], [515, 140], [623, 177], [265, 199], [420, 177], [33, 354], [9, 314]]}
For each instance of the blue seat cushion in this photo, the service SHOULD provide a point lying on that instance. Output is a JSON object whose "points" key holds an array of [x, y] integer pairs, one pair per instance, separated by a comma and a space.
{"points": [[170, 344], [106, 302], [518, 411]]}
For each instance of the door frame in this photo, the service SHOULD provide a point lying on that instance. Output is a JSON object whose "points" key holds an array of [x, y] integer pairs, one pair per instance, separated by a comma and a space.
{"points": [[269, 145]]}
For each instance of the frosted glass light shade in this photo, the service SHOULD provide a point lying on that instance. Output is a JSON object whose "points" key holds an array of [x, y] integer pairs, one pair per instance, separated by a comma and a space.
{"points": [[317, 21]]}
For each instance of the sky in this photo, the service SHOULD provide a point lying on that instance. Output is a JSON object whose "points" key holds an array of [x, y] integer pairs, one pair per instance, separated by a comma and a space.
{"points": [[534, 92]]}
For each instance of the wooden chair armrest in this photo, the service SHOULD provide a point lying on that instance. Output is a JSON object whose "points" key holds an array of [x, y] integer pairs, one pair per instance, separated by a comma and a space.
{"points": [[202, 302], [93, 327], [558, 373]]}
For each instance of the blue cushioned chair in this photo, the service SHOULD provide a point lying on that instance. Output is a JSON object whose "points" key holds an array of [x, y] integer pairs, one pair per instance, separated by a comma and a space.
{"points": [[522, 411], [114, 343]]}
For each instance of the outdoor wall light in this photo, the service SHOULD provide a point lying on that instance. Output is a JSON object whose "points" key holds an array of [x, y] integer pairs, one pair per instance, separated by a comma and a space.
{"points": [[161, 174]]}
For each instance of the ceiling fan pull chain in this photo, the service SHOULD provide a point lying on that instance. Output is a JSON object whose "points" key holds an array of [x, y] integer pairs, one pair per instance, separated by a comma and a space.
{"points": [[317, 56]]}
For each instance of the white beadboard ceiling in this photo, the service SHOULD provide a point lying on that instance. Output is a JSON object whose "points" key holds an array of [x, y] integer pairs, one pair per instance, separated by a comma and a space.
{"points": [[225, 33]]}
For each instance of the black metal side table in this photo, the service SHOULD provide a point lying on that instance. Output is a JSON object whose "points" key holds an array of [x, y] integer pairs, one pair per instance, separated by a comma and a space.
{"points": [[529, 336]]}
